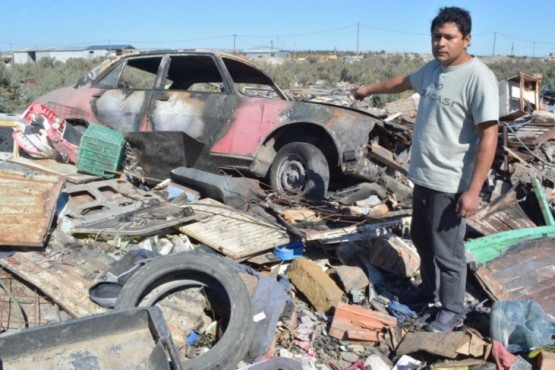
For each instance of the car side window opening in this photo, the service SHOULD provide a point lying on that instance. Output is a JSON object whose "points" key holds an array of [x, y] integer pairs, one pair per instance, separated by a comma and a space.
{"points": [[134, 74], [193, 73], [249, 81]]}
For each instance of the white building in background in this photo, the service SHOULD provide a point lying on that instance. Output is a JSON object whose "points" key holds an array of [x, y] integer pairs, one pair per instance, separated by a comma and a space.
{"points": [[62, 54]]}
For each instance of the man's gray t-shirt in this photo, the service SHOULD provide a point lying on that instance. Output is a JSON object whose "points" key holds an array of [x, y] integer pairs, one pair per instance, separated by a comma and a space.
{"points": [[452, 101]]}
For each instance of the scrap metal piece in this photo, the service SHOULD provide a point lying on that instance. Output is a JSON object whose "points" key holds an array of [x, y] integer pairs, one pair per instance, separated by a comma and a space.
{"points": [[236, 192], [158, 152], [94, 202], [357, 232], [144, 222], [135, 338], [524, 272], [489, 247]]}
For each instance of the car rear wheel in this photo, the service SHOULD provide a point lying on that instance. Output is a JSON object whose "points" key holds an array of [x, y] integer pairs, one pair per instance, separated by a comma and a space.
{"points": [[300, 169]]}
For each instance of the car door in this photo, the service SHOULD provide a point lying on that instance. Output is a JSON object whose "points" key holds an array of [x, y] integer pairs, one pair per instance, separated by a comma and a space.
{"points": [[192, 98], [122, 95]]}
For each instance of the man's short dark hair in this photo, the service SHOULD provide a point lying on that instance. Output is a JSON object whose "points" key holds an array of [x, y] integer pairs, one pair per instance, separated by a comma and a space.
{"points": [[459, 16]]}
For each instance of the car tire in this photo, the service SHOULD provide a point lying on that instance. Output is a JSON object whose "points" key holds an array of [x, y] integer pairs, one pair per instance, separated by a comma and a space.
{"points": [[224, 288], [300, 169]]}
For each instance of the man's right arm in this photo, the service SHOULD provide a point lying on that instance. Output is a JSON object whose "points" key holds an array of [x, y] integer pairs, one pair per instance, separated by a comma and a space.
{"points": [[393, 85]]}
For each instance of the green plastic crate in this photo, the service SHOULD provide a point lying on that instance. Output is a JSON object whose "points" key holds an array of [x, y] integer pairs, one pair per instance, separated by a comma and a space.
{"points": [[100, 151]]}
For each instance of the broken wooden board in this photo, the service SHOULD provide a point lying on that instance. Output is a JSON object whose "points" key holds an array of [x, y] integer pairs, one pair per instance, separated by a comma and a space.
{"points": [[50, 166], [386, 157], [62, 273], [503, 214], [27, 205], [232, 232], [526, 271], [450, 345]]}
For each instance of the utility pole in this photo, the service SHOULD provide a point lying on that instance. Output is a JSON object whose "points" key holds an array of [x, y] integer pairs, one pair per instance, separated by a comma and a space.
{"points": [[234, 39], [534, 50], [513, 49], [494, 39], [358, 35]]}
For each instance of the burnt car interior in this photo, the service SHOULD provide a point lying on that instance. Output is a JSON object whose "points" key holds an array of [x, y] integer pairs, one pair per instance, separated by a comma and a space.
{"points": [[250, 81], [193, 73], [136, 74]]}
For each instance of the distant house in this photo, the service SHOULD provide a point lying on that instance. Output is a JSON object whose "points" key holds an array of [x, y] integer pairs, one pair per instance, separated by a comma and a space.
{"points": [[62, 54], [265, 53]]}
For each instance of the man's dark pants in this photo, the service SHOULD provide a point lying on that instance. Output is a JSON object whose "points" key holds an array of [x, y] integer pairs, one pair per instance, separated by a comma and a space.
{"points": [[438, 234]]}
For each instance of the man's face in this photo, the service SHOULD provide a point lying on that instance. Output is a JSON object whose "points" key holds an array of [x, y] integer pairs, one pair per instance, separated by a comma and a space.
{"points": [[449, 45]]}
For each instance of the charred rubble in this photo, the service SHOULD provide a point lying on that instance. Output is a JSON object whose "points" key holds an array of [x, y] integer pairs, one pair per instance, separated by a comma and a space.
{"points": [[207, 270]]}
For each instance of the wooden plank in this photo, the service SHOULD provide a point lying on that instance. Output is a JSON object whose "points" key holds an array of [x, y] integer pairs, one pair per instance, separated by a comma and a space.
{"points": [[385, 156], [27, 206], [544, 138], [50, 166], [503, 214], [232, 232]]}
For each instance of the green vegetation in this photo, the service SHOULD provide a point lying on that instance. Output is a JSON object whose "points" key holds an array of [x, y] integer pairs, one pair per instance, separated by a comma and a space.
{"points": [[21, 84]]}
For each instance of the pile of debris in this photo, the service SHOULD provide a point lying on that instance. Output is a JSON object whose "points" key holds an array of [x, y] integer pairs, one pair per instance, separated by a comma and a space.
{"points": [[206, 271]]}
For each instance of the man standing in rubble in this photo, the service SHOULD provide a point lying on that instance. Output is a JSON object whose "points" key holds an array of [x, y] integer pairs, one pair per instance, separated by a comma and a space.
{"points": [[453, 148]]}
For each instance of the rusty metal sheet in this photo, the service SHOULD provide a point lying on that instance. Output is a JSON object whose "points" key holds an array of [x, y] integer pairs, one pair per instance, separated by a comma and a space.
{"points": [[22, 306], [64, 273], [525, 271], [231, 232], [27, 206]]}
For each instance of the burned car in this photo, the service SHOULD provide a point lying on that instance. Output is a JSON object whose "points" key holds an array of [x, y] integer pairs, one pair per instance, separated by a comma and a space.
{"points": [[214, 111]]}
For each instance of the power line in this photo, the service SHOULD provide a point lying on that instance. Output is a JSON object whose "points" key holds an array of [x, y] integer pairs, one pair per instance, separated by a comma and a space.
{"points": [[303, 34], [241, 37], [395, 31]]}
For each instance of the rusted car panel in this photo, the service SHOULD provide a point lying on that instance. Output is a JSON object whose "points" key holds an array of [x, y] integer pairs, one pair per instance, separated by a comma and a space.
{"points": [[231, 106]]}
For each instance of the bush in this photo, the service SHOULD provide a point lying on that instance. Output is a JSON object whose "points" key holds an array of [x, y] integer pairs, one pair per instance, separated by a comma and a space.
{"points": [[22, 84]]}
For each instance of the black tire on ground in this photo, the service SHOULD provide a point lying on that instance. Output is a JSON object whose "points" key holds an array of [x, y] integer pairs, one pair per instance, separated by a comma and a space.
{"points": [[300, 169], [224, 289]]}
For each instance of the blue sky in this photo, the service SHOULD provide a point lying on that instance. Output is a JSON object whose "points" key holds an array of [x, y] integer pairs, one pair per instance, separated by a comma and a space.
{"points": [[500, 27]]}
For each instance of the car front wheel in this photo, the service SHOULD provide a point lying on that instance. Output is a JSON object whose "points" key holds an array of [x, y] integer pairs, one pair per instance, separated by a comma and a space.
{"points": [[300, 169]]}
